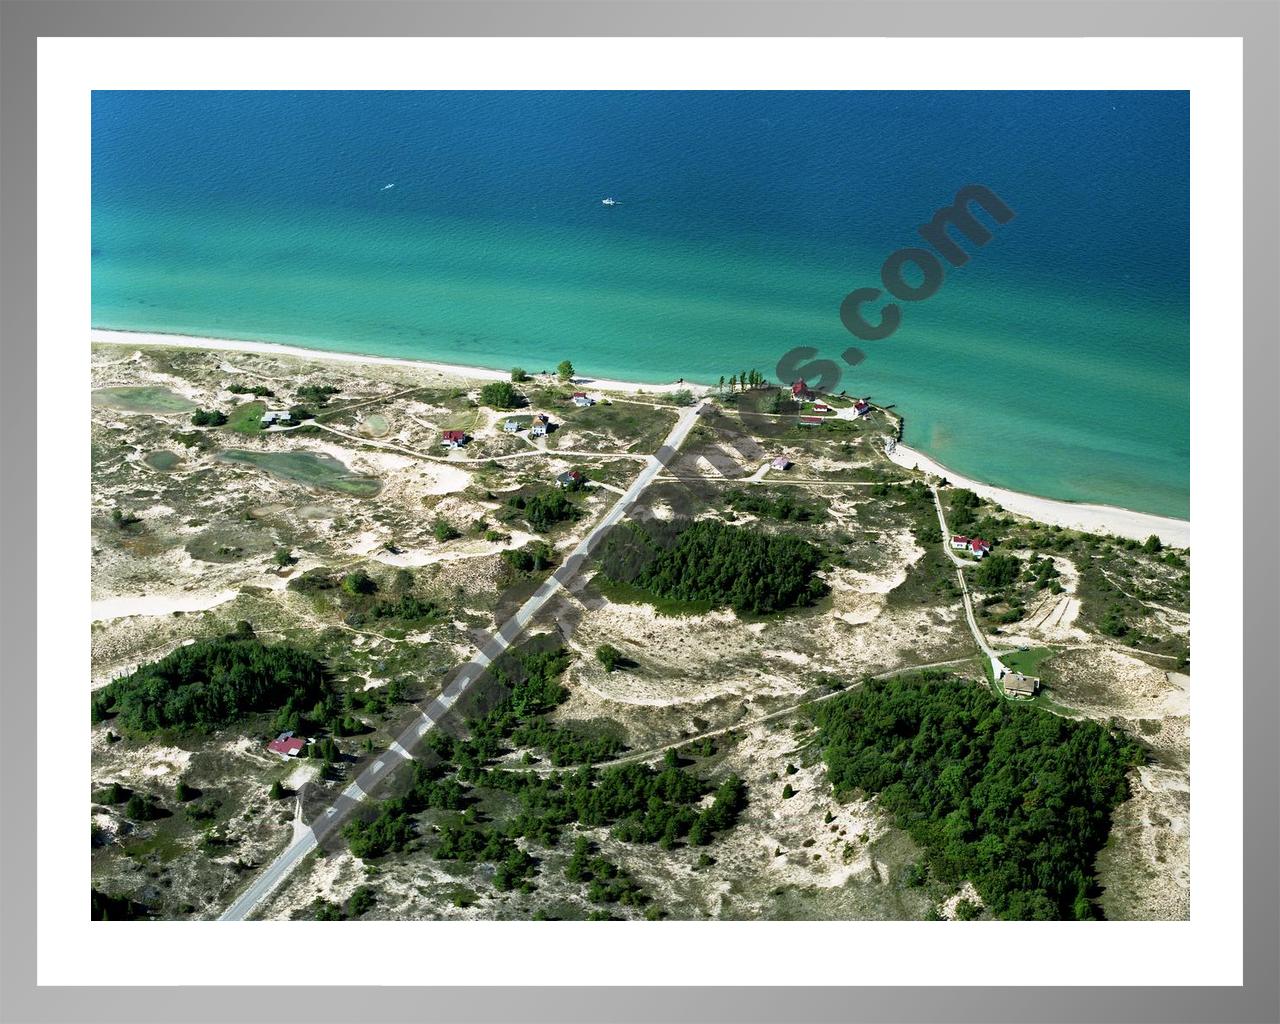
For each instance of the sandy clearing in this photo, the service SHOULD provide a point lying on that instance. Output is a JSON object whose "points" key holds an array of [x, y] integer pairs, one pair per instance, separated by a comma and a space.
{"points": [[123, 607]]}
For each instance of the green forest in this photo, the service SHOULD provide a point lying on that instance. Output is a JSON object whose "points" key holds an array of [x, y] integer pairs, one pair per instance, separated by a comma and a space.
{"points": [[212, 683], [749, 570], [1011, 797]]}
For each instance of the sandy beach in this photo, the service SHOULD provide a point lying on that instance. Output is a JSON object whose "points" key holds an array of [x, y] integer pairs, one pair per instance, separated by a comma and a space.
{"points": [[1093, 518], [1122, 522], [447, 370]]}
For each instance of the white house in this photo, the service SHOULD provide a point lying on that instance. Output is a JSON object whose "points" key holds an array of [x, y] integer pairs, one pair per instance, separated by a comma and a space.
{"points": [[272, 416], [511, 426], [582, 400]]}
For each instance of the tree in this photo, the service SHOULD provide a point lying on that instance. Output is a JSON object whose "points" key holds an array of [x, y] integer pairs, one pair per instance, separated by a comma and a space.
{"points": [[207, 418], [720, 386], [358, 582], [443, 530], [1006, 795], [518, 375], [277, 791], [1152, 545], [609, 656], [211, 683], [317, 394], [996, 571], [283, 557], [499, 394], [182, 792], [565, 371], [749, 570]]}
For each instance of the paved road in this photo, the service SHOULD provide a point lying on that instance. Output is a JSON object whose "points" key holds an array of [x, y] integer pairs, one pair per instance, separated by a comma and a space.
{"points": [[306, 840]]}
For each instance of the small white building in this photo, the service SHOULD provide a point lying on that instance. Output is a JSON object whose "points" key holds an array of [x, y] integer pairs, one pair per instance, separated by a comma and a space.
{"points": [[511, 426], [582, 400], [273, 416], [539, 429]]}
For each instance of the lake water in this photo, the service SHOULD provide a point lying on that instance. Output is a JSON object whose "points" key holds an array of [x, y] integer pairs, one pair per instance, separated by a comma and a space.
{"points": [[1056, 361]]}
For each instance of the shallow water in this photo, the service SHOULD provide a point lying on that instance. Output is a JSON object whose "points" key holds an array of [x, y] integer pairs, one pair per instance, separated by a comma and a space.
{"points": [[1056, 361]]}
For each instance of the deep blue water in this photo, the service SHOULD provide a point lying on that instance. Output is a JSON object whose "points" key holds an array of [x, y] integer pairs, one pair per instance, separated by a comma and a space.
{"points": [[1056, 361]]}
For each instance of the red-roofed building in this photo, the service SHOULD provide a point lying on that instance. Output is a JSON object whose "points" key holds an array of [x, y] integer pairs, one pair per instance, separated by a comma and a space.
{"points": [[862, 407], [800, 390], [287, 745], [960, 543], [821, 407], [454, 438], [979, 547]]}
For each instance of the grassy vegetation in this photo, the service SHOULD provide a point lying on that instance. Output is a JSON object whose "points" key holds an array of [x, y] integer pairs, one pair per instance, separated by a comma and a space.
{"points": [[310, 468], [1027, 662], [246, 418], [151, 399], [932, 578]]}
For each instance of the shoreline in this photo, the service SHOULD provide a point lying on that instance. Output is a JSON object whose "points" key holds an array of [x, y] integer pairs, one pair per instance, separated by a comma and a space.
{"points": [[155, 339], [1092, 518]]}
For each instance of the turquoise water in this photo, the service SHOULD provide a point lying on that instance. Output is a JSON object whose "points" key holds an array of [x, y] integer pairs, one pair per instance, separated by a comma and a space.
{"points": [[1054, 362]]}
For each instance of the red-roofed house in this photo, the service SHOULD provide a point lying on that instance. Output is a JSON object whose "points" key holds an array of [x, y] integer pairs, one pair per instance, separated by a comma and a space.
{"points": [[979, 547], [810, 421], [287, 745], [800, 390], [821, 407], [454, 438], [960, 543], [862, 407]]}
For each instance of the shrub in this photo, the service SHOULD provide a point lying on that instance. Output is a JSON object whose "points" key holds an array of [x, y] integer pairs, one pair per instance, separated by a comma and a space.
{"points": [[208, 418], [609, 656]]}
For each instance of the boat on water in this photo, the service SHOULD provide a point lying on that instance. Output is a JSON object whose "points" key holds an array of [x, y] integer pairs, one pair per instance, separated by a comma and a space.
{"points": [[610, 201]]}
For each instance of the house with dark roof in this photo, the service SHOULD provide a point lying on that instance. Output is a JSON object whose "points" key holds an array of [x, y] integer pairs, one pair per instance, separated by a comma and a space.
{"points": [[571, 479]]}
